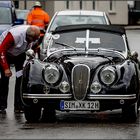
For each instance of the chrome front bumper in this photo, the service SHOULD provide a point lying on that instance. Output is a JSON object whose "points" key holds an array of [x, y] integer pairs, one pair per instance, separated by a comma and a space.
{"points": [[69, 96]]}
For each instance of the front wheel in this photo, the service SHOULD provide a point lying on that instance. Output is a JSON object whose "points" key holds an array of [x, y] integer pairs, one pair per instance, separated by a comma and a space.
{"points": [[130, 113], [32, 114]]}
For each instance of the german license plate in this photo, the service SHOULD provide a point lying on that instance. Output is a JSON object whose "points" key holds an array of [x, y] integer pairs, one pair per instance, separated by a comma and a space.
{"points": [[79, 105]]}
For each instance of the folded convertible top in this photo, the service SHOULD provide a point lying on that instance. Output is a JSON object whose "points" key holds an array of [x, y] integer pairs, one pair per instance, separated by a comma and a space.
{"points": [[95, 27]]}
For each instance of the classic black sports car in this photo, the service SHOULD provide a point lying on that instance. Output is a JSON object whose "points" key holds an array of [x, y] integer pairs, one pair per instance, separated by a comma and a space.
{"points": [[86, 68]]}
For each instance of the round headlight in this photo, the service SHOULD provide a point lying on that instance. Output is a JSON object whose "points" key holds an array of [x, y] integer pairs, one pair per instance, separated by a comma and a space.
{"points": [[64, 87], [108, 75], [51, 74], [95, 87]]}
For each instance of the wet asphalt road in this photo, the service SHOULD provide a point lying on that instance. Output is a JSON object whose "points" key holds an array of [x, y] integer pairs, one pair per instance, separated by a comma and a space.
{"points": [[104, 125]]}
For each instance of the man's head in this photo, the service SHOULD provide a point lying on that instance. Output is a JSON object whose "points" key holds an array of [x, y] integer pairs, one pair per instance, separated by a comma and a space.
{"points": [[33, 33], [37, 4]]}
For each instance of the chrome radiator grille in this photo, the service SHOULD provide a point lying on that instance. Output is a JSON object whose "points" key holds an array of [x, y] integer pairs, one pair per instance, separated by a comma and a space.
{"points": [[80, 81]]}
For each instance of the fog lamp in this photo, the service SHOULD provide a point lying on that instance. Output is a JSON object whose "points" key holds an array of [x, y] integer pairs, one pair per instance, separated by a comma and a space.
{"points": [[95, 87]]}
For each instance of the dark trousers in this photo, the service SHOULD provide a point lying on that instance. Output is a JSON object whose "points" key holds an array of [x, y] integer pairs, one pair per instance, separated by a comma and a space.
{"points": [[18, 62]]}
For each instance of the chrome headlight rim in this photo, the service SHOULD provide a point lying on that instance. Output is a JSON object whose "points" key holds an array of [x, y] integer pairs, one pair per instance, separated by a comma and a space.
{"points": [[111, 71], [58, 69]]}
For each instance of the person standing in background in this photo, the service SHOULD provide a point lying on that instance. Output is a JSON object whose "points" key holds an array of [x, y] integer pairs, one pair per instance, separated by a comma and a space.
{"points": [[37, 16]]}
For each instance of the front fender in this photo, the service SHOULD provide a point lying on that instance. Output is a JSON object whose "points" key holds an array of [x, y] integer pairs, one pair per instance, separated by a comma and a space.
{"points": [[129, 76], [32, 75], [35, 72]]}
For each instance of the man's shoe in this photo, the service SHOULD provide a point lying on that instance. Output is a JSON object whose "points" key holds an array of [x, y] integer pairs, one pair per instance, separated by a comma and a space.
{"points": [[18, 111]]}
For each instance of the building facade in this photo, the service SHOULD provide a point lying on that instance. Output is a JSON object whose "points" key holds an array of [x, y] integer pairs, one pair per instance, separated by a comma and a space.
{"points": [[116, 10]]}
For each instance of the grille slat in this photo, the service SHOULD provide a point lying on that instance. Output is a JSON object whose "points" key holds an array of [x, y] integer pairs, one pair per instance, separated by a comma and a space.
{"points": [[80, 81]]}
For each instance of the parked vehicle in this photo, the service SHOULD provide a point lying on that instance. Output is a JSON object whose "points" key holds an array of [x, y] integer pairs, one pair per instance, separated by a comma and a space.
{"points": [[22, 14], [8, 15], [85, 69], [73, 17]]}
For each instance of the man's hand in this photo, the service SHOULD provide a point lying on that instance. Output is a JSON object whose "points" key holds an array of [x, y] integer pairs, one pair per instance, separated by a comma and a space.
{"points": [[8, 73]]}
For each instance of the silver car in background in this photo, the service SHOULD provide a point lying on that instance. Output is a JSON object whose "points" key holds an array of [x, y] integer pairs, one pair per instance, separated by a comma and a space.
{"points": [[74, 17]]}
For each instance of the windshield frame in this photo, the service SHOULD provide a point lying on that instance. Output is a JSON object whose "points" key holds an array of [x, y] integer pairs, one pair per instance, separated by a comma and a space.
{"points": [[87, 49]]}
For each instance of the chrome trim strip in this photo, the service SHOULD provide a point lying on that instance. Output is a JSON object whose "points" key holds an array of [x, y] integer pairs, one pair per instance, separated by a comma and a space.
{"points": [[47, 96], [129, 97], [87, 39], [126, 52]]}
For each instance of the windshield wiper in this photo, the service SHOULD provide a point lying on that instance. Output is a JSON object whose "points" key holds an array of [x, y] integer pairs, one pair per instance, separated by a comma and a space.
{"points": [[66, 45]]}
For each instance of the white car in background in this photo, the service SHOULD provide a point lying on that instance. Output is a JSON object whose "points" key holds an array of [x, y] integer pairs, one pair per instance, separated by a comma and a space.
{"points": [[72, 17]]}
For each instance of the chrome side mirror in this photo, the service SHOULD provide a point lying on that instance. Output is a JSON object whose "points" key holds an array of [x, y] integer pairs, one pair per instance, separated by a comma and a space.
{"points": [[30, 53], [134, 55]]}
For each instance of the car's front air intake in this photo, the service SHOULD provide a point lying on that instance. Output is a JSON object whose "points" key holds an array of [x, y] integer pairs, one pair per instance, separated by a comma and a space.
{"points": [[80, 81]]}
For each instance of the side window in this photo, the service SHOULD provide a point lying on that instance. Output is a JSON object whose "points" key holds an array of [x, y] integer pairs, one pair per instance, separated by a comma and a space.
{"points": [[16, 3], [6, 15], [67, 4], [93, 5], [81, 4], [112, 5]]}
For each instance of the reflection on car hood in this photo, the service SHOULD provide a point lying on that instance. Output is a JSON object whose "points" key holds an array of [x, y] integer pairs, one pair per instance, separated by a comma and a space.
{"points": [[4, 27], [92, 62]]}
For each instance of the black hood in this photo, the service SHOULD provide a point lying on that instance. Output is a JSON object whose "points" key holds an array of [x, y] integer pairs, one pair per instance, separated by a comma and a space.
{"points": [[92, 62]]}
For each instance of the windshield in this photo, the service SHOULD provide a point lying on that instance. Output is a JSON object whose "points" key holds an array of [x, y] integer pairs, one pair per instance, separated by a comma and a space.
{"points": [[5, 15], [61, 20], [87, 40]]}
